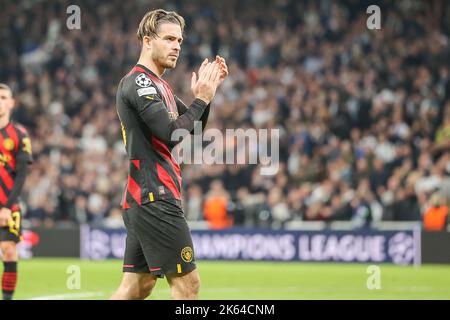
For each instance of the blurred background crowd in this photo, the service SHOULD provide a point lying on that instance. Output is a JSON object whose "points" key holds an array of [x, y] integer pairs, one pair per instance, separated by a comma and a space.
{"points": [[364, 115]]}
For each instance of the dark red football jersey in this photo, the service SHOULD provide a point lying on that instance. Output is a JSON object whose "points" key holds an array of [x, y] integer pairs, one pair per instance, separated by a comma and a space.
{"points": [[14, 145]]}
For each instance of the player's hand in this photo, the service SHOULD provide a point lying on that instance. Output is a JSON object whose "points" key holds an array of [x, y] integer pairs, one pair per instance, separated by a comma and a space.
{"points": [[205, 86], [5, 216], [223, 68]]}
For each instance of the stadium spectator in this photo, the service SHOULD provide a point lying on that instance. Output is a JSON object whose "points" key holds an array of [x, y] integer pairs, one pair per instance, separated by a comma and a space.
{"points": [[215, 206], [436, 216]]}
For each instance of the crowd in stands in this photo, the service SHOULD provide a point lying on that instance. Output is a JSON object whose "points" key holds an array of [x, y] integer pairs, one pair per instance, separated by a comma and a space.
{"points": [[363, 115]]}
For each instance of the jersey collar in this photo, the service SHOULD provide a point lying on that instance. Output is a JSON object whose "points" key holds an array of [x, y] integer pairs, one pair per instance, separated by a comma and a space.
{"points": [[147, 70]]}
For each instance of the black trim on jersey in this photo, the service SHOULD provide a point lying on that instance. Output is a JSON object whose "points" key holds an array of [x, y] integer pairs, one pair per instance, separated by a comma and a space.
{"points": [[182, 108]]}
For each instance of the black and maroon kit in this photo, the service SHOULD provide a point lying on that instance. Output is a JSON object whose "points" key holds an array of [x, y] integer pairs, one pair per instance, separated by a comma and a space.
{"points": [[15, 156], [158, 238]]}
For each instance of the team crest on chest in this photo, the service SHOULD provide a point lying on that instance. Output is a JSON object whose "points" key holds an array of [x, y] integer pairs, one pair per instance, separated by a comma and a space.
{"points": [[8, 144], [143, 80]]}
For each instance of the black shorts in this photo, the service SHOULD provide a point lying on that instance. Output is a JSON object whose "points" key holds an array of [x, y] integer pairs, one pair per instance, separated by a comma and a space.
{"points": [[13, 231], [158, 240]]}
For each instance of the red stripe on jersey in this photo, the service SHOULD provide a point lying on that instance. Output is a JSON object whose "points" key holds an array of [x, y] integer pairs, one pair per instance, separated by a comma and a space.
{"points": [[153, 78], [170, 94], [13, 135], [162, 90], [6, 153], [12, 159], [6, 178], [165, 178], [161, 84], [133, 70], [164, 151], [3, 197], [128, 265], [155, 269], [138, 69], [137, 164], [134, 189], [125, 205]]}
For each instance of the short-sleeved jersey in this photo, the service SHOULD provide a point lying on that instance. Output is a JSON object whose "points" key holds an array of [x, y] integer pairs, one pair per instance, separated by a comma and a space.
{"points": [[15, 145], [154, 173]]}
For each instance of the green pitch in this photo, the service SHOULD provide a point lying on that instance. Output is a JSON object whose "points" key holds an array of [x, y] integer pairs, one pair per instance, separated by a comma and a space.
{"points": [[48, 279]]}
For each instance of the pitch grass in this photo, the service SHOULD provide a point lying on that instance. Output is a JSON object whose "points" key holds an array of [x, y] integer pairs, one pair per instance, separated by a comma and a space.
{"points": [[47, 279]]}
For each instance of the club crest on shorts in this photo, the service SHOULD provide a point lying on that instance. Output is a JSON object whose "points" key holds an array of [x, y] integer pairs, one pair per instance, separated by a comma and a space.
{"points": [[8, 144], [143, 80], [187, 254]]}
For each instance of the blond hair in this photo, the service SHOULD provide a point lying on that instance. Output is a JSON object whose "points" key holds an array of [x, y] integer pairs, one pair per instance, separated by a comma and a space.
{"points": [[153, 19], [4, 86]]}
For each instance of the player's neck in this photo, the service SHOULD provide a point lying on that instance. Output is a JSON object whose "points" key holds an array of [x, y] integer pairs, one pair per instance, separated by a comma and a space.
{"points": [[4, 121], [152, 66]]}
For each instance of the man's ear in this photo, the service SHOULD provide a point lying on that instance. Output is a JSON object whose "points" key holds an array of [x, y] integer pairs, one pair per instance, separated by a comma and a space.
{"points": [[146, 42]]}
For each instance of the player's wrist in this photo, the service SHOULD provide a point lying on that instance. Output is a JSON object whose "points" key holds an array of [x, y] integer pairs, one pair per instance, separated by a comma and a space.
{"points": [[202, 100]]}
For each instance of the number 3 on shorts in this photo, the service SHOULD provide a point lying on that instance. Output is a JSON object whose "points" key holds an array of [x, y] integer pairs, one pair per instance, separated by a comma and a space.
{"points": [[14, 223]]}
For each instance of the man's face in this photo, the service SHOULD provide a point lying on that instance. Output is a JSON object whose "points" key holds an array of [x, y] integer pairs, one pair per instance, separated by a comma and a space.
{"points": [[6, 102], [166, 46]]}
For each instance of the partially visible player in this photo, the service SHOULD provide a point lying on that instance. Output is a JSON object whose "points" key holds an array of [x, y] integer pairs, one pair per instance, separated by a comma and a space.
{"points": [[15, 156]]}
